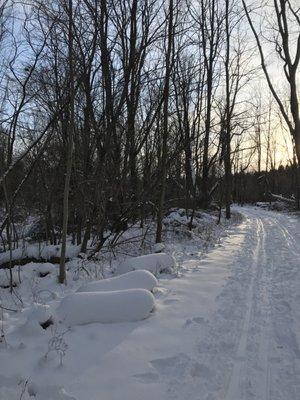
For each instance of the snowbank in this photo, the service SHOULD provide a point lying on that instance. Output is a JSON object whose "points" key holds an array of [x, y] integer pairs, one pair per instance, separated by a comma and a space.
{"points": [[155, 263], [34, 251], [131, 280], [158, 247], [45, 268], [104, 307], [37, 316], [39, 313]]}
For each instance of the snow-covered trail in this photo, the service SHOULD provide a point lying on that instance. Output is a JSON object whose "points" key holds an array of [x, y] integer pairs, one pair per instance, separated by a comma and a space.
{"points": [[227, 329], [246, 343], [266, 364]]}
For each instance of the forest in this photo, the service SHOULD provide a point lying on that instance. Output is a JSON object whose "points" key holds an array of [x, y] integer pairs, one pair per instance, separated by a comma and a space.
{"points": [[149, 199], [113, 112]]}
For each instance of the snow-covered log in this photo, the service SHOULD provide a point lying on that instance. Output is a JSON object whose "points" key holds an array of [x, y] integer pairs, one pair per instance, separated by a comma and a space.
{"points": [[155, 263], [105, 307], [282, 198], [36, 253], [131, 280]]}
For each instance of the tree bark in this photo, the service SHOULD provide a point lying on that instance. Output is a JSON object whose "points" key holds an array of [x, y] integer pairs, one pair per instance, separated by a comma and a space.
{"points": [[166, 93], [62, 268]]}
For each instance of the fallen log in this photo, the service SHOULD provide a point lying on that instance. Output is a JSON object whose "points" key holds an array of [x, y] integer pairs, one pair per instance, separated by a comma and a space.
{"points": [[282, 198]]}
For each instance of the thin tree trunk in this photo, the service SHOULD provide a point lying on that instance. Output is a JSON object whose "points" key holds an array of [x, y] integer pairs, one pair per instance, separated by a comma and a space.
{"points": [[62, 268], [227, 160], [164, 153]]}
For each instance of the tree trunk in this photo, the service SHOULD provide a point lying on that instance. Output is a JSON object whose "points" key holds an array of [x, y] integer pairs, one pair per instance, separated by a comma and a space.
{"points": [[164, 154], [62, 268]]}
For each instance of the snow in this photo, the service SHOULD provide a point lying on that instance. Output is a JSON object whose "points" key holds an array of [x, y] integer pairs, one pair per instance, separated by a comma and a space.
{"points": [[106, 307], [155, 263], [131, 280], [39, 313], [49, 392], [35, 251], [226, 326], [178, 216], [45, 268], [159, 247], [30, 390], [282, 198]]}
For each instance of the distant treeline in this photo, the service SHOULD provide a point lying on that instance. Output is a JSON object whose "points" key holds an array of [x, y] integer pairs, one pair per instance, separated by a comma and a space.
{"points": [[250, 187]]}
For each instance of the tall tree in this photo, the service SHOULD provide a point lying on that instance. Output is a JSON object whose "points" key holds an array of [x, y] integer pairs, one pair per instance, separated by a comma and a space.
{"points": [[169, 61], [69, 142], [287, 47]]}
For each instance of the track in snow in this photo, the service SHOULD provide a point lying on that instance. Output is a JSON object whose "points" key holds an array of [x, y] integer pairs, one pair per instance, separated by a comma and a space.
{"points": [[239, 373], [250, 347], [266, 365]]}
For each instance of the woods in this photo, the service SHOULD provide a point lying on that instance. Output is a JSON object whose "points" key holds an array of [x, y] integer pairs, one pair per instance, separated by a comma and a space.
{"points": [[111, 112], [149, 199]]}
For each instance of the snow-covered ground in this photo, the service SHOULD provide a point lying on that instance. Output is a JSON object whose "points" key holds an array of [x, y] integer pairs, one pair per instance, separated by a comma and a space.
{"points": [[226, 327]]}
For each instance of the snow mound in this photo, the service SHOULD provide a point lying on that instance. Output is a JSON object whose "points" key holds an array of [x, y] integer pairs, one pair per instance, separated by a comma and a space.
{"points": [[105, 307], [131, 280], [155, 263], [39, 313], [45, 268], [158, 247], [38, 316], [34, 251]]}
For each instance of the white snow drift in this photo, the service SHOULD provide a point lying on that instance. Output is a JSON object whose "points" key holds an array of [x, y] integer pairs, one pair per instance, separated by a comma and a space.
{"points": [[45, 268], [105, 307], [155, 263], [131, 280], [37, 316], [45, 252]]}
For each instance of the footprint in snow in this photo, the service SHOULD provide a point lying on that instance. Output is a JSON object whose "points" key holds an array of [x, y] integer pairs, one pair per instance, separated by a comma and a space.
{"points": [[171, 366], [48, 392], [200, 370], [170, 301], [194, 320], [147, 377], [283, 306]]}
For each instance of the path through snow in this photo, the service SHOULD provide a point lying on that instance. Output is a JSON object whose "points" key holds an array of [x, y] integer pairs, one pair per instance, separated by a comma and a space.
{"points": [[227, 329]]}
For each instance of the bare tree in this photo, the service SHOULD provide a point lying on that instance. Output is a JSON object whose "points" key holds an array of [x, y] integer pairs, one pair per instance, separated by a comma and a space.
{"points": [[287, 47], [69, 150], [165, 123]]}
